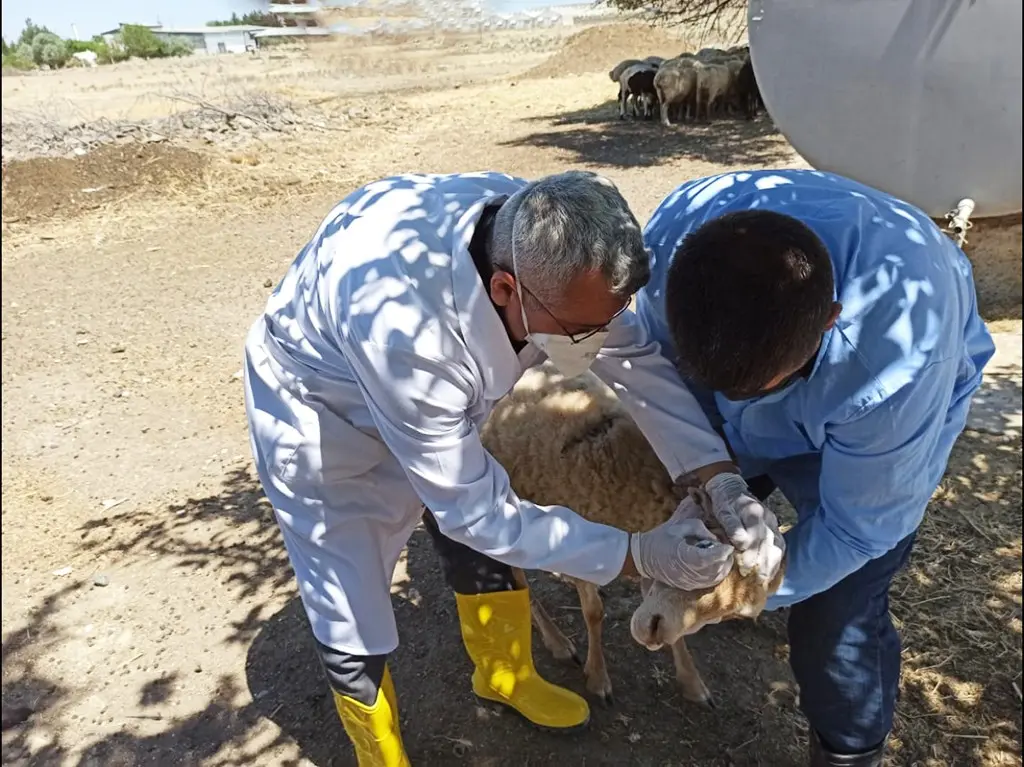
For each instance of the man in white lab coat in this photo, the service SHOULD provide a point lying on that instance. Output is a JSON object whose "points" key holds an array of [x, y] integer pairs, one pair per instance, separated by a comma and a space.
{"points": [[418, 304]]}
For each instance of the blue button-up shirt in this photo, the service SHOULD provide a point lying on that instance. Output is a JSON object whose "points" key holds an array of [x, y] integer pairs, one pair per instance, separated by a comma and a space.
{"points": [[859, 445]]}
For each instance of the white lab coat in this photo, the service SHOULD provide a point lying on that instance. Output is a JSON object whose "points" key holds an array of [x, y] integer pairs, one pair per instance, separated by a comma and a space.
{"points": [[368, 377]]}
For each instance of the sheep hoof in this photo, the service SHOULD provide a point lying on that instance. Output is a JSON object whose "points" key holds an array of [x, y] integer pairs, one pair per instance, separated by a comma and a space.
{"points": [[601, 687], [704, 699]]}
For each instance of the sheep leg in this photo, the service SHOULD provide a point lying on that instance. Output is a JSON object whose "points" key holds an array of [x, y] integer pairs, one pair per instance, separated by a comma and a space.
{"points": [[557, 643], [595, 669], [692, 685], [665, 105], [622, 102]]}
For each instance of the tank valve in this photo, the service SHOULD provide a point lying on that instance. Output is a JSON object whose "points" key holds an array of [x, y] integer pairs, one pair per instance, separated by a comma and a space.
{"points": [[960, 221]]}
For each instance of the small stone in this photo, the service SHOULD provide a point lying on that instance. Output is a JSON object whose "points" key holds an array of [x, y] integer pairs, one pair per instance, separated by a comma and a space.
{"points": [[101, 581], [198, 669], [117, 349], [268, 283]]}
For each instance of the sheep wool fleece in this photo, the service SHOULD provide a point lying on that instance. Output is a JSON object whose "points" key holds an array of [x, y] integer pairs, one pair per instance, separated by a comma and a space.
{"points": [[367, 378], [858, 444]]}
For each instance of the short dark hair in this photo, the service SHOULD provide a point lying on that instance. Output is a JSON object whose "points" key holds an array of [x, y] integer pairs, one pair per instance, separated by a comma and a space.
{"points": [[748, 297]]}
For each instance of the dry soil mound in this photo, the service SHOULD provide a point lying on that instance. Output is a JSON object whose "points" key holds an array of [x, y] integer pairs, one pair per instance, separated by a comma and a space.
{"points": [[600, 48], [47, 186]]}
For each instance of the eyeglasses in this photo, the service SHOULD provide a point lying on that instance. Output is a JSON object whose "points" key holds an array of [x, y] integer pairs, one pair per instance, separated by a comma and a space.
{"points": [[573, 337]]}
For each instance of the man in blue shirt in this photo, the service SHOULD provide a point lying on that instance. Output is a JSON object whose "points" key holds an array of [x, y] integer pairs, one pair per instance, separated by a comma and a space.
{"points": [[832, 335]]}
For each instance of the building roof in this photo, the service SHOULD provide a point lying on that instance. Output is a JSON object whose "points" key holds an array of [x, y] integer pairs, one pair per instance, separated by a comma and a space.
{"points": [[291, 32], [122, 24], [206, 30]]}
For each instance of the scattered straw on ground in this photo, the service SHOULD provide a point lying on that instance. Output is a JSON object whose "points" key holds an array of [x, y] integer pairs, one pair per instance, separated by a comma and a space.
{"points": [[958, 608]]}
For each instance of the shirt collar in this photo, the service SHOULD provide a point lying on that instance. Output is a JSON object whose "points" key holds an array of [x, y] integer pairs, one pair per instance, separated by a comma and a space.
{"points": [[482, 329], [827, 336]]}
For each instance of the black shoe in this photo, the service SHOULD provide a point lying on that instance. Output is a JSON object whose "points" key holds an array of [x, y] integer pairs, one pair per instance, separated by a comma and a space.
{"points": [[822, 757]]}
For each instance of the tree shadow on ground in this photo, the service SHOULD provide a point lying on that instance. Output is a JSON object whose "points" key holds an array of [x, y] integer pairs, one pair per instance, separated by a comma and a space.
{"points": [[596, 136], [443, 723]]}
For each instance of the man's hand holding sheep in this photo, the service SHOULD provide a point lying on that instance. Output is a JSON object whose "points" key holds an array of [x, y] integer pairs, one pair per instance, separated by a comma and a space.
{"points": [[750, 527], [682, 552]]}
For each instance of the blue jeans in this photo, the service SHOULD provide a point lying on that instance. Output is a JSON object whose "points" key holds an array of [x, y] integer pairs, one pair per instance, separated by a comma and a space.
{"points": [[845, 655]]}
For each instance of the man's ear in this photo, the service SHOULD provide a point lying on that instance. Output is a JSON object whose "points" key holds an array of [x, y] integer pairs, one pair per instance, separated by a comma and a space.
{"points": [[837, 309], [502, 288]]}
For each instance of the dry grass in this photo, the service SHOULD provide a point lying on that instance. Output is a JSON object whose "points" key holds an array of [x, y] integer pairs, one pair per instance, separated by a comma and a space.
{"points": [[958, 608]]}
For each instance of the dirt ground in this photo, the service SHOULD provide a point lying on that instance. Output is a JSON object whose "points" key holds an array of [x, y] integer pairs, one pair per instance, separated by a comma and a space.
{"points": [[149, 614]]}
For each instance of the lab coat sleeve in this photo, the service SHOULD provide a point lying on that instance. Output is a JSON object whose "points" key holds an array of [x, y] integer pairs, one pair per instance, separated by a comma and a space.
{"points": [[419, 406], [648, 384], [878, 472]]}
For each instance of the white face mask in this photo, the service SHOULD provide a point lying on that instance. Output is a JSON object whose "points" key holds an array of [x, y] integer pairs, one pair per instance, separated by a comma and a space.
{"points": [[571, 358]]}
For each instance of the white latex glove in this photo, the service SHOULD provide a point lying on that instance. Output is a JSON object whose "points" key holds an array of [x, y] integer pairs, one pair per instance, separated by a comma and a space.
{"points": [[751, 528], [682, 552]]}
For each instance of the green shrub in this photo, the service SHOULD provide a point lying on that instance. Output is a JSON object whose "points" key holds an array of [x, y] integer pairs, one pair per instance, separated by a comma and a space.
{"points": [[14, 61], [140, 42], [49, 50], [177, 48]]}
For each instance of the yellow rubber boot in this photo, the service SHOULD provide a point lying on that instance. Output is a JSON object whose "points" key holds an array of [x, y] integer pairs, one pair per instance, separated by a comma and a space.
{"points": [[373, 730], [497, 632]]}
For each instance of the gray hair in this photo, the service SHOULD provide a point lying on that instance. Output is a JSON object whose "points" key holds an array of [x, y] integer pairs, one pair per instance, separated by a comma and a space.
{"points": [[566, 224]]}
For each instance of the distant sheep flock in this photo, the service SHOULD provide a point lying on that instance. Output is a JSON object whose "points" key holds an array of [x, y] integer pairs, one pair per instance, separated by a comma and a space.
{"points": [[690, 87]]}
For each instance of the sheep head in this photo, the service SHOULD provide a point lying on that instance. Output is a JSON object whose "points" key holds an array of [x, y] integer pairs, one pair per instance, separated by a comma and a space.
{"points": [[667, 614]]}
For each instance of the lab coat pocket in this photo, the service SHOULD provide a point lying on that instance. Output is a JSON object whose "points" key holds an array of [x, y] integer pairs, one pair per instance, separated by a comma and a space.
{"points": [[325, 450], [346, 451], [328, 450]]}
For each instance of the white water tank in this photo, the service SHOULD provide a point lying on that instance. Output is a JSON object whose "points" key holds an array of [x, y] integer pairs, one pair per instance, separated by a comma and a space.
{"points": [[918, 98]]}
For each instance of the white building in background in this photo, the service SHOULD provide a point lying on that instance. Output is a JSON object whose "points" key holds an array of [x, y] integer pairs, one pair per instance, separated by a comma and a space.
{"points": [[232, 39]]}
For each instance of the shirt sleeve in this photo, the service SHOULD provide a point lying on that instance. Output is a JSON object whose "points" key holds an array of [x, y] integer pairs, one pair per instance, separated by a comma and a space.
{"points": [[878, 473], [653, 392], [419, 406]]}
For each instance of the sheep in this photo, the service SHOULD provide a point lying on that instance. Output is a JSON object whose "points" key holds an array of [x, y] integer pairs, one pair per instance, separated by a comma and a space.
{"points": [[570, 442], [666, 615], [621, 67], [654, 61], [638, 82], [710, 54], [730, 100], [747, 94], [676, 86], [713, 81]]}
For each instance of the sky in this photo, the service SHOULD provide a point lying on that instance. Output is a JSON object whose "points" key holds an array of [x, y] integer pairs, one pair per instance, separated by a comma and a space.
{"points": [[91, 17]]}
